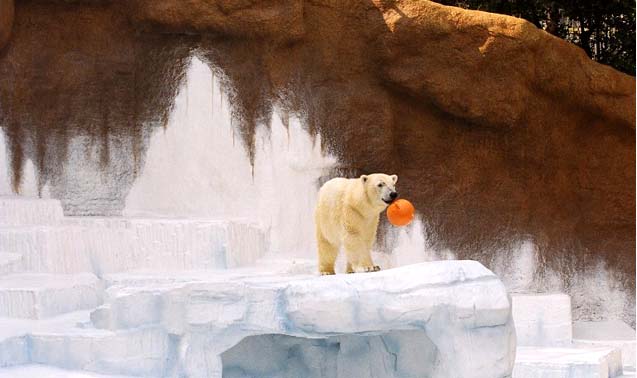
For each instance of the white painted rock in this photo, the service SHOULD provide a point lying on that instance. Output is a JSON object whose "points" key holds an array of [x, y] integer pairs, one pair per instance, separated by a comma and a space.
{"points": [[446, 319], [450, 318], [36, 296], [10, 263], [542, 319], [101, 245], [594, 362], [31, 371], [29, 211], [611, 333]]}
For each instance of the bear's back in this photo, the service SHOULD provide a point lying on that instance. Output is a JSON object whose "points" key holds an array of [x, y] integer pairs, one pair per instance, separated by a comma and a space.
{"points": [[333, 190]]}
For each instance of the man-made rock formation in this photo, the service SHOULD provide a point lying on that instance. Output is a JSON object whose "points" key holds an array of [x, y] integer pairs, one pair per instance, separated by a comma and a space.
{"points": [[500, 133], [546, 345], [148, 313], [50, 243], [439, 319]]}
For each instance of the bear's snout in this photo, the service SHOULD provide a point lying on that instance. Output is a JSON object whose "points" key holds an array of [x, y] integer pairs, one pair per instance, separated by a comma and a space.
{"points": [[392, 198]]}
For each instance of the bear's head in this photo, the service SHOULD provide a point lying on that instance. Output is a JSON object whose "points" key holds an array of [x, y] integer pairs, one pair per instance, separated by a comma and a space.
{"points": [[380, 188]]}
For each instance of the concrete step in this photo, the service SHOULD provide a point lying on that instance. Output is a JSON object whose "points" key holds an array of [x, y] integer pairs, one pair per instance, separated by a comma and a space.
{"points": [[26, 211], [68, 342], [629, 372], [37, 296], [44, 371], [207, 243], [593, 362], [10, 263], [610, 333], [139, 352], [15, 333], [107, 245], [136, 299], [542, 319]]}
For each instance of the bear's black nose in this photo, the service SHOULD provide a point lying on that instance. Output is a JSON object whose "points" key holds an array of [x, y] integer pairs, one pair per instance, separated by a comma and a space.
{"points": [[393, 195]]}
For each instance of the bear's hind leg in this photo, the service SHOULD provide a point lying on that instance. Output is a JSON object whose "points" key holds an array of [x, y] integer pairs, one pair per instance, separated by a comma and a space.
{"points": [[359, 257], [327, 254]]}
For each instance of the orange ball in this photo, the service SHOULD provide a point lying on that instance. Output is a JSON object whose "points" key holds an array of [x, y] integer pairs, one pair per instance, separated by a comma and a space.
{"points": [[400, 212]]}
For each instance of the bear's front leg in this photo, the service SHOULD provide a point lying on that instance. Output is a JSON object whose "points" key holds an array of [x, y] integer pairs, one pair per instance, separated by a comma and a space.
{"points": [[359, 252]]}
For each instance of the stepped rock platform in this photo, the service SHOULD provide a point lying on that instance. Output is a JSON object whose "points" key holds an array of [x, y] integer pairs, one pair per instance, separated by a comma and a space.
{"points": [[155, 297], [551, 345], [610, 333], [420, 319]]}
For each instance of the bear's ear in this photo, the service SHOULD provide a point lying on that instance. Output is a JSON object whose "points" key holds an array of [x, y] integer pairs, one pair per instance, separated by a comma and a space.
{"points": [[394, 178], [364, 178]]}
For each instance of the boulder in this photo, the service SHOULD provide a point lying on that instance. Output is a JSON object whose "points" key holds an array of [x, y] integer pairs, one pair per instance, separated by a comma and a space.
{"points": [[451, 318]]}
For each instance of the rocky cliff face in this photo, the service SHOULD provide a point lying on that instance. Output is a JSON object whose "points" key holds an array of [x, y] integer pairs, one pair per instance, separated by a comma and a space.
{"points": [[498, 131]]}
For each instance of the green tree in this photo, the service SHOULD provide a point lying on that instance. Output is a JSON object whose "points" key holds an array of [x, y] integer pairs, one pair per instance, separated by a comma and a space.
{"points": [[605, 29]]}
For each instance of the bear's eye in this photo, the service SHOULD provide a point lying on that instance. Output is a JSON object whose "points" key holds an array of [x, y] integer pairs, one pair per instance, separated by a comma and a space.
{"points": [[380, 185]]}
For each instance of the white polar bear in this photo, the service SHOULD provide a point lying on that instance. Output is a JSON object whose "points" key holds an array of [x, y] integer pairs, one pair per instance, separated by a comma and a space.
{"points": [[347, 215]]}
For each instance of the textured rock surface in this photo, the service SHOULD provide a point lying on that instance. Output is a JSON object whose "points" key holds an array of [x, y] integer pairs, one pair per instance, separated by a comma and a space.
{"points": [[29, 371], [451, 318], [278, 19], [611, 333], [542, 319], [9, 262], [37, 296], [567, 363], [493, 139], [452, 302], [77, 98], [47, 242], [6, 21], [549, 344], [18, 211]]}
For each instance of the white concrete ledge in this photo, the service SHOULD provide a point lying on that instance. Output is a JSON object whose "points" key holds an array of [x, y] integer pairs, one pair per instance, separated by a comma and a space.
{"points": [[609, 333], [448, 319], [25, 211], [600, 362], [10, 263], [36, 296]]}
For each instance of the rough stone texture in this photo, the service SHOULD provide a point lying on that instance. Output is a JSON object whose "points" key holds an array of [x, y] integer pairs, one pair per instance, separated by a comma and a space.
{"points": [[46, 242], [38, 296], [278, 19], [568, 362], [79, 85], [17, 211], [6, 21], [498, 131], [542, 319], [453, 309], [611, 333], [443, 319]]}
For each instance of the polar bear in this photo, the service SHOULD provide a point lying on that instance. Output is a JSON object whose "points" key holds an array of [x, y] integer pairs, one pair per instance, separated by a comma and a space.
{"points": [[347, 215]]}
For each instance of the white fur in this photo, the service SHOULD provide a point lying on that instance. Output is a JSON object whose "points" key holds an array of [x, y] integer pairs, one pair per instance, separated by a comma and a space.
{"points": [[347, 215]]}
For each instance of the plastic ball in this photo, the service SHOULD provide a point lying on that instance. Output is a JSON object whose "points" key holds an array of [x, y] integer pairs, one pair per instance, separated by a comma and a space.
{"points": [[400, 212]]}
